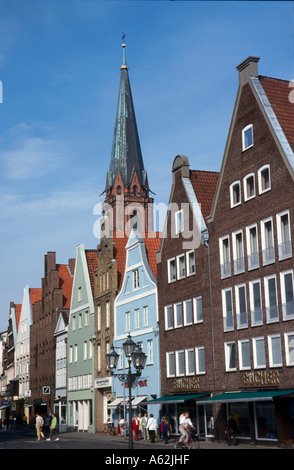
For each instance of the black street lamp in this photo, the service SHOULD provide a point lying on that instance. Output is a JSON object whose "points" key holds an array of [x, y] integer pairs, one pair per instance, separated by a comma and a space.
{"points": [[133, 353]]}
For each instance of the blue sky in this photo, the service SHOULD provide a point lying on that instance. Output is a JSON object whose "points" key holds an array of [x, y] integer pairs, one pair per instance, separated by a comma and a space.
{"points": [[60, 69]]}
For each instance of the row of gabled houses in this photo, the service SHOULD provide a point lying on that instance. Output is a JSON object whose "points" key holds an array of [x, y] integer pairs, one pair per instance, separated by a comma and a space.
{"points": [[210, 300]]}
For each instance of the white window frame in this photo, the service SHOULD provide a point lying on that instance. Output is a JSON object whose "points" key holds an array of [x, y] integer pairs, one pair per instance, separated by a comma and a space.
{"points": [[167, 327], [179, 221], [228, 350], [128, 321], [270, 350], [266, 259], [239, 266], [262, 190], [255, 356], [136, 279], [252, 256], [287, 348], [188, 255], [198, 318], [252, 305], [237, 300], [186, 322], [245, 184], [180, 275], [284, 252], [169, 278], [145, 315], [232, 193], [187, 353], [176, 324], [244, 147], [197, 351], [283, 293], [150, 352], [107, 314], [178, 373], [225, 264], [137, 318], [168, 355], [240, 351], [224, 306], [99, 317], [267, 299]]}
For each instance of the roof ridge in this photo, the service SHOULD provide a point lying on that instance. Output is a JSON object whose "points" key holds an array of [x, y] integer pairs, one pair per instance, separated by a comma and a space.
{"points": [[274, 78]]}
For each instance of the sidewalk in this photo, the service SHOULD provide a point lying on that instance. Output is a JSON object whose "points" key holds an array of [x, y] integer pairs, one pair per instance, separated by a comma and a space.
{"points": [[159, 444]]}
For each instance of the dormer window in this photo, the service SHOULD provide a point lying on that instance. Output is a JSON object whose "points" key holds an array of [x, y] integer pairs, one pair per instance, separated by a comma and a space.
{"points": [[247, 137], [118, 190]]}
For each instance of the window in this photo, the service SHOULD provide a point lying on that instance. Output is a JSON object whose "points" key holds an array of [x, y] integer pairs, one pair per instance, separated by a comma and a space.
{"points": [[85, 350], [137, 318], [227, 309], [284, 235], [73, 322], [99, 317], [75, 353], [267, 241], [275, 353], [170, 364], [264, 179], [107, 314], [86, 318], [171, 269], [249, 187], [128, 321], [70, 355], [259, 353], [255, 303], [235, 193], [247, 137], [225, 260], [244, 354], [241, 309], [181, 266], [252, 247], [190, 361], [136, 283], [150, 351], [79, 294], [289, 345], [179, 218], [200, 360], [80, 320], [198, 315], [168, 312], [99, 357], [287, 294], [238, 252], [191, 268], [230, 356], [271, 302], [145, 315], [188, 312], [178, 315], [180, 363]]}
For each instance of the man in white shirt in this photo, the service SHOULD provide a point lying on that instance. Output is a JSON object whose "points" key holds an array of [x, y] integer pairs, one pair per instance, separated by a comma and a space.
{"points": [[185, 423]]}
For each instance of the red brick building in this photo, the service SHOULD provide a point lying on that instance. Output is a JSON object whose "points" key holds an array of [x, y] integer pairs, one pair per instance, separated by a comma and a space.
{"points": [[185, 329], [251, 233], [56, 294]]}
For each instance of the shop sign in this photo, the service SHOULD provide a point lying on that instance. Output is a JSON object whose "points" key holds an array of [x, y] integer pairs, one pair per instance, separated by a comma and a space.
{"points": [[103, 382], [265, 377], [187, 383]]}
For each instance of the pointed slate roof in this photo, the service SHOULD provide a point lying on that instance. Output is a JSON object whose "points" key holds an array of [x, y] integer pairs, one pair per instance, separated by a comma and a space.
{"points": [[126, 156]]}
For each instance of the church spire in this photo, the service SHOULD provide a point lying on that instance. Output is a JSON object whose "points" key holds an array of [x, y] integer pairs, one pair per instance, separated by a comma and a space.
{"points": [[126, 155], [127, 178]]}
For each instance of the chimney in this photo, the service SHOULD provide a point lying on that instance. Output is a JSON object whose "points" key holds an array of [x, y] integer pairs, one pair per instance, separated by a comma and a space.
{"points": [[248, 68]]}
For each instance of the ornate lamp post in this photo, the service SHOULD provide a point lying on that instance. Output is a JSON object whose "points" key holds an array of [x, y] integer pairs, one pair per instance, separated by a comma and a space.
{"points": [[135, 354]]}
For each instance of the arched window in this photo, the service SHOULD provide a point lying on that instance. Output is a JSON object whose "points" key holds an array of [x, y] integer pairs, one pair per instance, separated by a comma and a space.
{"points": [[135, 189]]}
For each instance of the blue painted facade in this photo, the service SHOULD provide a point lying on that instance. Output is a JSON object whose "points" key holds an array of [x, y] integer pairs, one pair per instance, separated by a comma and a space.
{"points": [[135, 312]]}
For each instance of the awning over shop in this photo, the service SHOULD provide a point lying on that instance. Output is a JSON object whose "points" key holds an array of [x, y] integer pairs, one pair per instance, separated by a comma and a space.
{"points": [[115, 403], [260, 395], [176, 399], [138, 400], [121, 402]]}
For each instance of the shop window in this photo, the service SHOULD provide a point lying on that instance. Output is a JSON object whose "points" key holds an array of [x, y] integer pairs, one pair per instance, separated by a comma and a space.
{"points": [[266, 423]]}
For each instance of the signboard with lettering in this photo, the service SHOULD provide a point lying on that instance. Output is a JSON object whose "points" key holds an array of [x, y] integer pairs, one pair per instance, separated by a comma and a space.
{"points": [[187, 383], [261, 377]]}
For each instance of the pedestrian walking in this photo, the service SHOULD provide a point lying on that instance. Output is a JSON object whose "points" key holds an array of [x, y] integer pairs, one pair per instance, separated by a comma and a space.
{"points": [[47, 425], [164, 427], [144, 421], [152, 426], [135, 426], [24, 424], [53, 427], [39, 426]]}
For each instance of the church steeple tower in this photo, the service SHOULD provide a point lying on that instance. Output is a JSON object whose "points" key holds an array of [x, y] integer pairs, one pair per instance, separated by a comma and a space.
{"points": [[127, 182]]}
